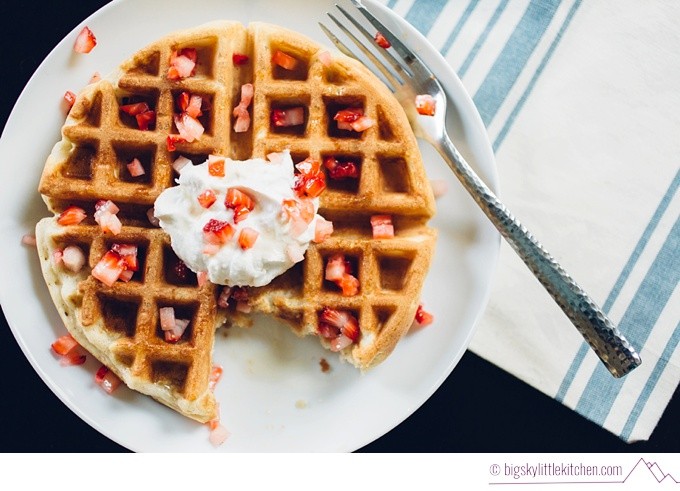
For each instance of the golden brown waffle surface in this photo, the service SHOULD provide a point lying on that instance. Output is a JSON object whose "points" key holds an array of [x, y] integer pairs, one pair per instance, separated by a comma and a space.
{"points": [[119, 323]]}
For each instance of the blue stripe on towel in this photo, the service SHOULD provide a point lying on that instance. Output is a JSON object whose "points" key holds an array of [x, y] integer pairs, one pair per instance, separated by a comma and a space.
{"points": [[514, 56], [459, 26], [621, 280], [423, 14], [518, 107], [637, 324], [480, 40], [658, 370]]}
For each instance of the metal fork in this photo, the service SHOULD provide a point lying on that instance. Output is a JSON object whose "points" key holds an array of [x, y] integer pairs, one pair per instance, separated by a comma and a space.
{"points": [[408, 77]]}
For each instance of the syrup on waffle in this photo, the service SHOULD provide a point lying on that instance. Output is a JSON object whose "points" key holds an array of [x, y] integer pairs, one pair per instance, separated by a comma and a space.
{"points": [[120, 323]]}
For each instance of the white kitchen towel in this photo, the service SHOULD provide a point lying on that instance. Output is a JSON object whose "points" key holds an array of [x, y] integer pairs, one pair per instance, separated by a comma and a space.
{"points": [[582, 105]]}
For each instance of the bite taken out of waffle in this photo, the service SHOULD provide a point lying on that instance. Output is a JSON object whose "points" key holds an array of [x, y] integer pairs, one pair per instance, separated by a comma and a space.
{"points": [[230, 91]]}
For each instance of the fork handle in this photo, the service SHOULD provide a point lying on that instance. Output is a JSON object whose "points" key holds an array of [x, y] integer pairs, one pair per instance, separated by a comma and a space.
{"points": [[600, 333]]}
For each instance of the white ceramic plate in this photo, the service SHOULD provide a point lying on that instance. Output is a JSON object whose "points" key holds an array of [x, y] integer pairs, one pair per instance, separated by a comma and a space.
{"points": [[273, 395]]}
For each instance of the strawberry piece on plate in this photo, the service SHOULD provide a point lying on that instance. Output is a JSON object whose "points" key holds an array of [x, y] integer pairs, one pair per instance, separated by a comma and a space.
{"points": [[106, 379], [85, 41]]}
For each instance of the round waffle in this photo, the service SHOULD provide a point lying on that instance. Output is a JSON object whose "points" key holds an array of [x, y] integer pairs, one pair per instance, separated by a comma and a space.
{"points": [[119, 324]]}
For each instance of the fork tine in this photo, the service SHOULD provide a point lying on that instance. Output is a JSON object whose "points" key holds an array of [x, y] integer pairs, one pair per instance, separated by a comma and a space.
{"points": [[391, 78], [410, 58], [396, 64]]}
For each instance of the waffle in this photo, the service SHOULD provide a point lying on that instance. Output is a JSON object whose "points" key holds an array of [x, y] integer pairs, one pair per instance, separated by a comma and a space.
{"points": [[119, 323]]}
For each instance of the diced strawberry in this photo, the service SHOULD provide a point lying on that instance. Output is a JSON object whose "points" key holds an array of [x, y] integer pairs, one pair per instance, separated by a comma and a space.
{"points": [[339, 271], [422, 317], [128, 253], [314, 186], [109, 268], [194, 107], [177, 331], [239, 59], [240, 202], [223, 299], [309, 167], [109, 223], [57, 257], [182, 63], [180, 162], [182, 101], [336, 267], [217, 232], [201, 278], [340, 343], [207, 198], [241, 113], [189, 128], [215, 376], [353, 119], [349, 285], [425, 104], [323, 230], [106, 379], [171, 140], [126, 275], [105, 206], [240, 293], [216, 165], [70, 98], [340, 169], [72, 215], [381, 40], [325, 58], [85, 41], [247, 237], [362, 124], [284, 60], [29, 240], [382, 227], [64, 344], [218, 434], [342, 320], [293, 116], [166, 318], [135, 108], [349, 115], [327, 331], [146, 120], [73, 258], [135, 168]]}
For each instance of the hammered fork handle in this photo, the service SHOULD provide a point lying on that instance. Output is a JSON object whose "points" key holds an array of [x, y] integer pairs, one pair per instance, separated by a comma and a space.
{"points": [[599, 332]]}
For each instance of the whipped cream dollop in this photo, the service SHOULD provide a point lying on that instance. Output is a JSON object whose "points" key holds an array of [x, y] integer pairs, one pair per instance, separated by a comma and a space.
{"points": [[280, 242]]}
